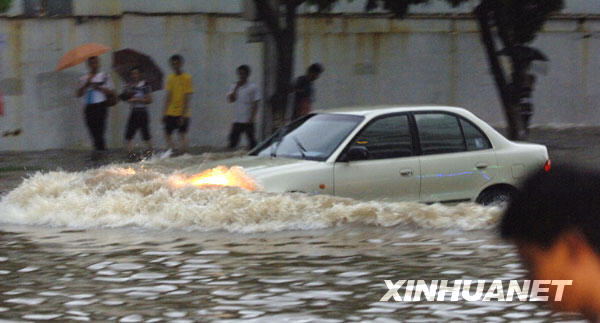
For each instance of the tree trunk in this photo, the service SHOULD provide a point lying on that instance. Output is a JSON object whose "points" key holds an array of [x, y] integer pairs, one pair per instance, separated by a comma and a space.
{"points": [[507, 94], [283, 29], [285, 45]]}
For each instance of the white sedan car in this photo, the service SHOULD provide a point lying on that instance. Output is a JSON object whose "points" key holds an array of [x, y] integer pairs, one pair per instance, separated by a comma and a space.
{"points": [[413, 153]]}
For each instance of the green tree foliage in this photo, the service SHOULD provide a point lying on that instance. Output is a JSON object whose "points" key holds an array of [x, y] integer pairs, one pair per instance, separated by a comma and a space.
{"points": [[4, 5], [521, 19]]}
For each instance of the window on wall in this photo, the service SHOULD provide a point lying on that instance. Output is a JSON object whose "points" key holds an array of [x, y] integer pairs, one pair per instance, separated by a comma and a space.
{"points": [[388, 137], [51, 8]]}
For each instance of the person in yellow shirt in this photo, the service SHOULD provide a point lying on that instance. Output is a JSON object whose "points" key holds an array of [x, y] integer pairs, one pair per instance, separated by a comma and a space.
{"points": [[177, 103]]}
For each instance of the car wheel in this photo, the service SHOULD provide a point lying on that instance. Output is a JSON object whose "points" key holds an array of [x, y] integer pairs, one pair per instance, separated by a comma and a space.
{"points": [[495, 197]]}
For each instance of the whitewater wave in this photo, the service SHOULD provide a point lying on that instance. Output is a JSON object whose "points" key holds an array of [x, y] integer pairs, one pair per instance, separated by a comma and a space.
{"points": [[116, 196]]}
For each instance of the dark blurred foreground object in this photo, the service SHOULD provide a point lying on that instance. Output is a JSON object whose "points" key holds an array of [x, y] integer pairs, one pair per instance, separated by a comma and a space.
{"points": [[126, 59], [551, 203], [555, 222]]}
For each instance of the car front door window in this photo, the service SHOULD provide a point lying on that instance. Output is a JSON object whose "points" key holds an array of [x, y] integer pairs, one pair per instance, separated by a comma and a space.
{"points": [[390, 169], [387, 137]]}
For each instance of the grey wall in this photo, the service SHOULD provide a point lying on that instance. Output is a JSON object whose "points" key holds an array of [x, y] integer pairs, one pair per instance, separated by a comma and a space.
{"points": [[42, 103], [117, 7], [368, 61]]}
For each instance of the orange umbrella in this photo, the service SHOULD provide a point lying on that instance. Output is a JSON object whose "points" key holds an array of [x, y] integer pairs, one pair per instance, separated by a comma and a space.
{"points": [[80, 54]]}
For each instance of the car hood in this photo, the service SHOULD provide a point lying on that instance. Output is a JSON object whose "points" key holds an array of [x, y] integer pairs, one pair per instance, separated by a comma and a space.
{"points": [[259, 167], [277, 174]]}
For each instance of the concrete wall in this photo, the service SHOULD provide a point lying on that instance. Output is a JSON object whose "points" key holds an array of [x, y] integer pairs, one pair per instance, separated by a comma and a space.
{"points": [[380, 61], [117, 7], [367, 60], [41, 102]]}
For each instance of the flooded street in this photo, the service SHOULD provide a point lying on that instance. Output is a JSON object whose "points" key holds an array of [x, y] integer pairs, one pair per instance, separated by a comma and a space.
{"points": [[332, 275], [79, 242]]}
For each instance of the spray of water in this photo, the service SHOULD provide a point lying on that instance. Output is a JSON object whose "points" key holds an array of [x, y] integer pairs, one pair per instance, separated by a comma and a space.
{"points": [[156, 196]]}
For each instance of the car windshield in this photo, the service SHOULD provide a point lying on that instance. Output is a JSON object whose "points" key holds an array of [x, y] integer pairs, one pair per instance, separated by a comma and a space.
{"points": [[313, 137]]}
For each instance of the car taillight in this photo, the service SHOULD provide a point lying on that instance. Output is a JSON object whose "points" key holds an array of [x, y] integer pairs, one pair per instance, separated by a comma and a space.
{"points": [[547, 165]]}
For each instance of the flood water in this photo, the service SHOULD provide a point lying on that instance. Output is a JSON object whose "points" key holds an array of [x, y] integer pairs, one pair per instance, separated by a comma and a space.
{"points": [[117, 242]]}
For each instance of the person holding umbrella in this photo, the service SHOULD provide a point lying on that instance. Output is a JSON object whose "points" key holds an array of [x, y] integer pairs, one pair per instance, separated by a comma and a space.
{"points": [[142, 76], [138, 95], [96, 89]]}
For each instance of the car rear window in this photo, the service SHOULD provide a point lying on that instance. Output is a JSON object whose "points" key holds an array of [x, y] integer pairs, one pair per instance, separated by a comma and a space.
{"points": [[475, 139], [439, 133]]}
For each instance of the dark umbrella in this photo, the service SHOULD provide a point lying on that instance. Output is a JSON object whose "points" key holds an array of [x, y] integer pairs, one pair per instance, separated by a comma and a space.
{"points": [[125, 59], [524, 53]]}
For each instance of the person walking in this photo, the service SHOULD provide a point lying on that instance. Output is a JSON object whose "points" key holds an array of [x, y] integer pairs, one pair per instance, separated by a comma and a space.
{"points": [[96, 87], [246, 96], [304, 91], [138, 95], [177, 103]]}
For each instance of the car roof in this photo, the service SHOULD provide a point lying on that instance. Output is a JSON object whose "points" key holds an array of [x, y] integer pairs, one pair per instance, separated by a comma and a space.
{"points": [[385, 109]]}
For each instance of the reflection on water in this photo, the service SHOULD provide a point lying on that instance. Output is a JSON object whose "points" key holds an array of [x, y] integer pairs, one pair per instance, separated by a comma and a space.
{"points": [[112, 244], [335, 274]]}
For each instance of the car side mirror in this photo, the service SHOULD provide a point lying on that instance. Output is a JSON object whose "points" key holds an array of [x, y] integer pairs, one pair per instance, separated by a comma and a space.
{"points": [[357, 153]]}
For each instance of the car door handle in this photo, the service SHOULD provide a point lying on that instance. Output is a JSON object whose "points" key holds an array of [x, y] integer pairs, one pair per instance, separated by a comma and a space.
{"points": [[406, 172], [481, 165]]}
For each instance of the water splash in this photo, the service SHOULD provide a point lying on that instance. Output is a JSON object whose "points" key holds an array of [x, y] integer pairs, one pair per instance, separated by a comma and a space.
{"points": [[143, 196]]}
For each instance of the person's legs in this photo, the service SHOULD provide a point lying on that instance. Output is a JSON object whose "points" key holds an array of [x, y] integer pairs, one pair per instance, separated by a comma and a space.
{"points": [[183, 128], [130, 131], [182, 142], [170, 142], [95, 115], [148, 151], [145, 127], [103, 112], [234, 136], [89, 122], [249, 129], [170, 126]]}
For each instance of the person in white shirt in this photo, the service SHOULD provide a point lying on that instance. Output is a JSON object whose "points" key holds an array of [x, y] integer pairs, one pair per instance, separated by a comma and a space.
{"points": [[246, 96], [95, 88]]}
